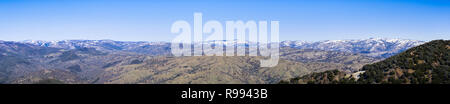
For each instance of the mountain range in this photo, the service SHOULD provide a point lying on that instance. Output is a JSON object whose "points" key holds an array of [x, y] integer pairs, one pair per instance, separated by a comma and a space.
{"points": [[108, 61], [373, 47]]}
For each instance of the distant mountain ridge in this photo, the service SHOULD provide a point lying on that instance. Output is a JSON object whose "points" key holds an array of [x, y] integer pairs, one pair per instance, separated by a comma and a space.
{"points": [[152, 48], [373, 47]]}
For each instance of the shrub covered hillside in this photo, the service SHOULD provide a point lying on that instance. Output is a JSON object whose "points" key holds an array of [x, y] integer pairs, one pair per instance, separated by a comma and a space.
{"points": [[427, 63], [424, 64]]}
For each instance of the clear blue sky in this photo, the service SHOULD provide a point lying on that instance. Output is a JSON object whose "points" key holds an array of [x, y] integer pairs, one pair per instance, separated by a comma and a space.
{"points": [[309, 20]]}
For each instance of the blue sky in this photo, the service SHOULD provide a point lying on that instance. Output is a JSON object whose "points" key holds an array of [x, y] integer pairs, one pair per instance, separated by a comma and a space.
{"points": [[310, 20]]}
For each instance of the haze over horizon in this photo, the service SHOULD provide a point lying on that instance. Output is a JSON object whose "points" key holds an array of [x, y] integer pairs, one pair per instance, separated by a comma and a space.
{"points": [[308, 20]]}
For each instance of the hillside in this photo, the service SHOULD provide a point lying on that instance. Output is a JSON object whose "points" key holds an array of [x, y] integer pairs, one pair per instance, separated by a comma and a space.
{"points": [[349, 61], [424, 64], [18, 58], [428, 63]]}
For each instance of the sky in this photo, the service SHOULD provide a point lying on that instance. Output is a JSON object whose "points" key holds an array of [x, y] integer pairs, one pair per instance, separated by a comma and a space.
{"points": [[146, 20]]}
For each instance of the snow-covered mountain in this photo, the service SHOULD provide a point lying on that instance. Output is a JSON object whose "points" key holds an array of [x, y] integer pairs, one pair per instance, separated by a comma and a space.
{"points": [[154, 48], [107, 44], [374, 47]]}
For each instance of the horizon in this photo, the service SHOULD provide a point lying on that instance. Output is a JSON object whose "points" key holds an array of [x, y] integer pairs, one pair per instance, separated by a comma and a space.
{"points": [[139, 20]]}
